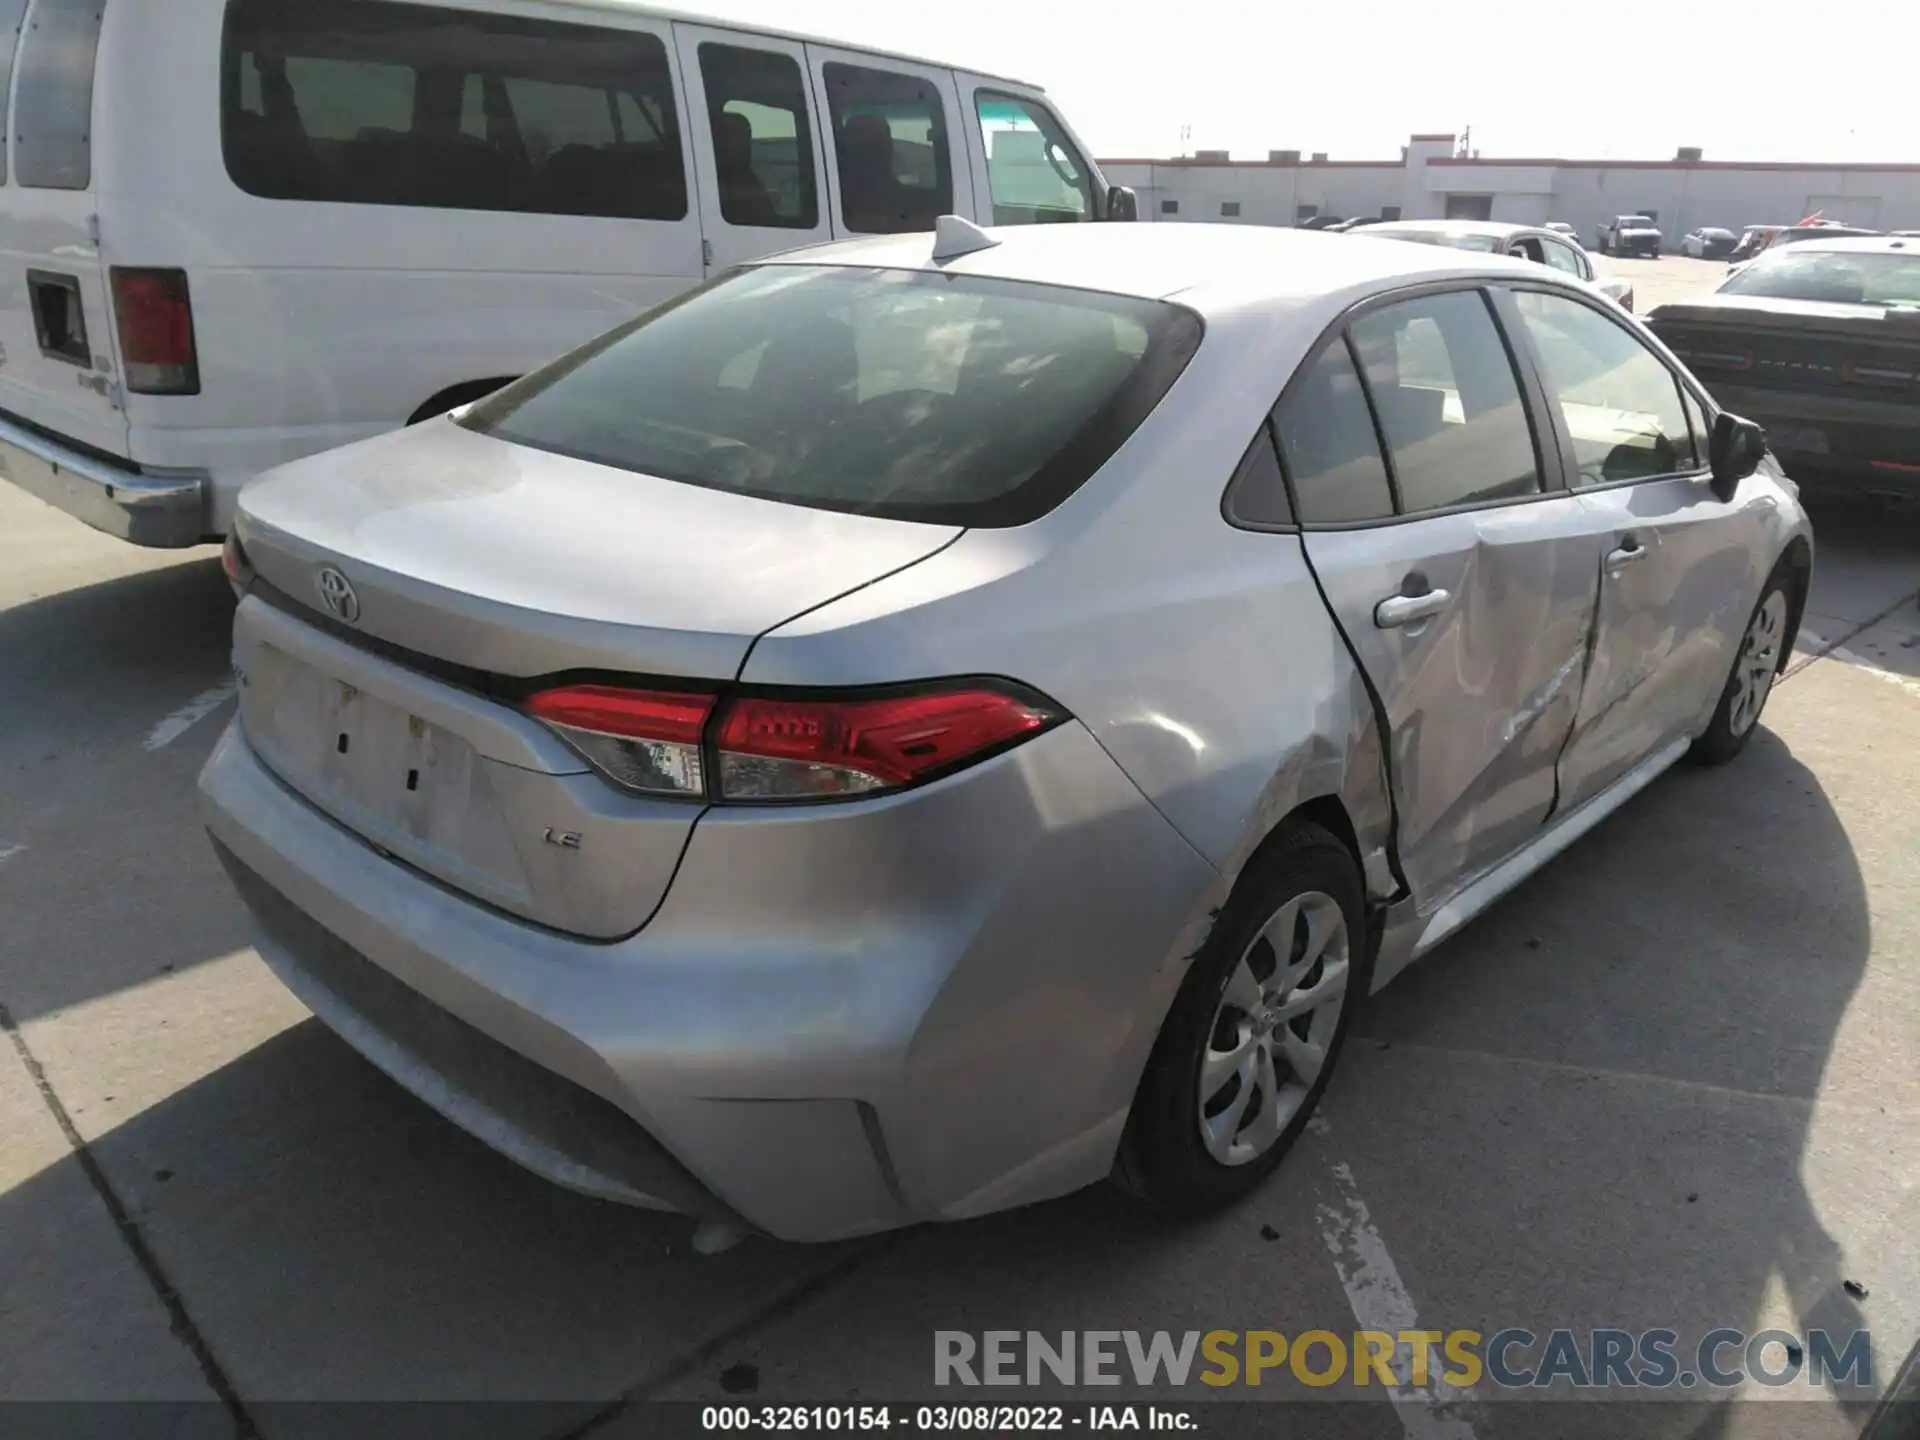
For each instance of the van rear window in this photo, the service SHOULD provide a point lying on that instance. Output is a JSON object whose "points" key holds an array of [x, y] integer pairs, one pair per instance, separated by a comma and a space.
{"points": [[955, 400], [53, 98], [373, 103]]}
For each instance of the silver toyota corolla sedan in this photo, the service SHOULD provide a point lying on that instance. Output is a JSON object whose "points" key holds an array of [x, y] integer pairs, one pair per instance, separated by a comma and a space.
{"points": [[923, 724]]}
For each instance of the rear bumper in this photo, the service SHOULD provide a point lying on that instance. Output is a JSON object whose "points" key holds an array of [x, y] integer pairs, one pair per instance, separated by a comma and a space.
{"points": [[841, 1020], [163, 511], [1832, 438]]}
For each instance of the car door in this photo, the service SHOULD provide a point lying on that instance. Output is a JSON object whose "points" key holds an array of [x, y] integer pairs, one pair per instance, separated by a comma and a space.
{"points": [[1675, 581], [755, 143], [896, 160], [1027, 167], [1459, 569]]}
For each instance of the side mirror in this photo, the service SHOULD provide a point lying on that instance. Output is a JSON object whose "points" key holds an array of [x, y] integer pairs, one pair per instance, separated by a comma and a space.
{"points": [[1734, 451], [1122, 203]]}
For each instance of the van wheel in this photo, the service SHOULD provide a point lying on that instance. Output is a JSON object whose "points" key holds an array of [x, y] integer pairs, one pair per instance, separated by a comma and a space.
{"points": [[1250, 1043], [1756, 666]]}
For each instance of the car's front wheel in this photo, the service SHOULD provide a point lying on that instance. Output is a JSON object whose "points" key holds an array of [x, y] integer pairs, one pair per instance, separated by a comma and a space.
{"points": [[1250, 1043], [1756, 666]]}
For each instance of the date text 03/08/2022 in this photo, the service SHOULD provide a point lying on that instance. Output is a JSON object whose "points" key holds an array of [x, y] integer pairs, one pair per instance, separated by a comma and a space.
{"points": [[938, 1419]]}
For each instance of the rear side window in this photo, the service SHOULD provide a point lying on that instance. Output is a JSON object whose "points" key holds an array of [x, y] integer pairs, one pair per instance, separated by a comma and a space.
{"points": [[954, 400], [1620, 402], [375, 103], [10, 13], [1561, 257], [1329, 444], [1033, 170], [1448, 401], [762, 139], [53, 98], [890, 139]]}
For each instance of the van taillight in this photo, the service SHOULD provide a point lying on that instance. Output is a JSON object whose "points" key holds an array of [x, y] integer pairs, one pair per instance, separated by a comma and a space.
{"points": [[155, 315], [766, 748]]}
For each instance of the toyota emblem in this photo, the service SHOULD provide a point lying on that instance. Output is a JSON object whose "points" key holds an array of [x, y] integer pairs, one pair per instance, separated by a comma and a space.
{"points": [[336, 591]]}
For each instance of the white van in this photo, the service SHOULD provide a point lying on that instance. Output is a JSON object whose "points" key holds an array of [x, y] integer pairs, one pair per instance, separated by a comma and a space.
{"points": [[235, 232]]}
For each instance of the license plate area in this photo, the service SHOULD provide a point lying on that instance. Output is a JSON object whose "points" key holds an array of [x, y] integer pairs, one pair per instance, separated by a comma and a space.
{"points": [[411, 787], [1797, 439]]}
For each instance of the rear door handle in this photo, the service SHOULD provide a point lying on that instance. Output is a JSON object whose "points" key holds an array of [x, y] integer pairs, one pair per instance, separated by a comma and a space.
{"points": [[1628, 552], [1398, 610]]}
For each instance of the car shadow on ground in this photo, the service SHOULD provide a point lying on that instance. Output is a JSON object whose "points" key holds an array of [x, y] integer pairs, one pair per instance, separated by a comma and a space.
{"points": [[1679, 976], [109, 880]]}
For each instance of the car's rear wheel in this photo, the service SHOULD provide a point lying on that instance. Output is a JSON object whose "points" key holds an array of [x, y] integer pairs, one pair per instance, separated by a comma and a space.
{"points": [[1251, 1041], [1756, 666]]}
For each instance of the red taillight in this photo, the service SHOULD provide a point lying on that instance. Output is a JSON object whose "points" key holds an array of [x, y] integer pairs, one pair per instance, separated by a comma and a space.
{"points": [[234, 562], [808, 749], [1857, 374], [773, 748], [643, 740], [155, 314]]}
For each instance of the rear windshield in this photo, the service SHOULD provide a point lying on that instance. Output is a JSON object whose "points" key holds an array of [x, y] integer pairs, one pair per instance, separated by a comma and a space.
{"points": [[906, 394], [1795, 272]]}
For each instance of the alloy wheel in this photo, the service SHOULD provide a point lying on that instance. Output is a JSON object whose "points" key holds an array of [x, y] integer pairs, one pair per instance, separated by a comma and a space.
{"points": [[1272, 1029]]}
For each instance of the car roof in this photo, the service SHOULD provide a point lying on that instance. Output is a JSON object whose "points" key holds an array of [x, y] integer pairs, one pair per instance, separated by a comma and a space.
{"points": [[1857, 245], [691, 17], [1211, 268], [1495, 229]]}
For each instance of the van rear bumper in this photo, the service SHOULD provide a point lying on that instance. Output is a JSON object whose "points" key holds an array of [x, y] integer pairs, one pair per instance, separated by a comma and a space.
{"points": [[163, 511]]}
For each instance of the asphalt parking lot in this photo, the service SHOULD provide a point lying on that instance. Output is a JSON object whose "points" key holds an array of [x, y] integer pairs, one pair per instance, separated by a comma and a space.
{"points": [[1673, 1082]]}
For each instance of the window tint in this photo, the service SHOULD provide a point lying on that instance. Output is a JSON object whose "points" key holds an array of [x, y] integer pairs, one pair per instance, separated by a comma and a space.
{"points": [[1033, 171], [1561, 257], [890, 139], [1449, 404], [950, 399], [370, 102], [53, 98], [762, 138], [1620, 402], [11, 12], [1258, 492], [1329, 444]]}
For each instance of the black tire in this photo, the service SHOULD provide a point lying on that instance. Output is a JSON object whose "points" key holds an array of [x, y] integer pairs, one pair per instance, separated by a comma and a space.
{"points": [[1721, 741], [1162, 1157]]}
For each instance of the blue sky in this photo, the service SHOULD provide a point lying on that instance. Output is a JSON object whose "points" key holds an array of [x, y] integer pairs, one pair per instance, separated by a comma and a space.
{"points": [[1628, 79]]}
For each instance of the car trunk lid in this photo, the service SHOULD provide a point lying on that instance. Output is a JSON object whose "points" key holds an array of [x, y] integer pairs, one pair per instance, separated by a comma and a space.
{"points": [[479, 570]]}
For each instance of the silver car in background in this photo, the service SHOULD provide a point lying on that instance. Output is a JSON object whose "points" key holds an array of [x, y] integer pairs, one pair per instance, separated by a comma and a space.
{"points": [[920, 725], [1542, 244]]}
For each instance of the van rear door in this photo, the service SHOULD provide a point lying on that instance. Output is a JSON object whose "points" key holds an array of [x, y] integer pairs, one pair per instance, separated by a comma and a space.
{"points": [[57, 349]]}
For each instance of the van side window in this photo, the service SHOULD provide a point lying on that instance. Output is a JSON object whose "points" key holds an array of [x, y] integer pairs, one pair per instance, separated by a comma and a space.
{"points": [[762, 139], [53, 97], [375, 103], [1033, 170], [890, 134]]}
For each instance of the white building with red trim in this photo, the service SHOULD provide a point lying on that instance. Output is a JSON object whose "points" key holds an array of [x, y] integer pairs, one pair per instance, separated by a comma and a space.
{"points": [[1431, 181]]}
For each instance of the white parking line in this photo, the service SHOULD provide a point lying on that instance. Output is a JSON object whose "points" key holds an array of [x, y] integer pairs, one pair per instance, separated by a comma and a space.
{"points": [[1380, 1302], [7, 852], [1860, 662], [189, 715]]}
